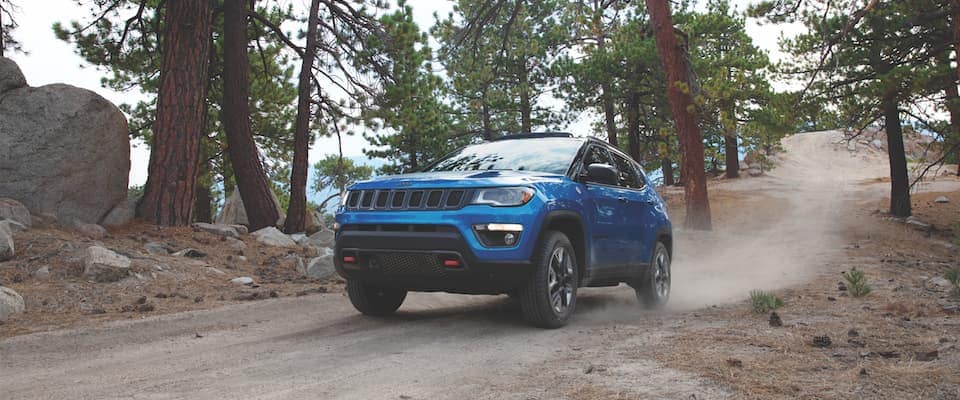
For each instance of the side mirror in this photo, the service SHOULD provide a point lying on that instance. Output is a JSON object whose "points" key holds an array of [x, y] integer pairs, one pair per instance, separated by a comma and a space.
{"points": [[603, 174]]}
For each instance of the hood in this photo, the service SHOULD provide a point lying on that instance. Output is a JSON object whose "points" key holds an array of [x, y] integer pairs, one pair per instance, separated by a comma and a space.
{"points": [[457, 179]]}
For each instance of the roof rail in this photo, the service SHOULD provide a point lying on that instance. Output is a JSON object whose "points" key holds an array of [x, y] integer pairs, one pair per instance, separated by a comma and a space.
{"points": [[532, 135]]}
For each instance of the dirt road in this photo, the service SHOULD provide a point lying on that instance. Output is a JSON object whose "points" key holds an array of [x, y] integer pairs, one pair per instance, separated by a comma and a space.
{"points": [[777, 231]]}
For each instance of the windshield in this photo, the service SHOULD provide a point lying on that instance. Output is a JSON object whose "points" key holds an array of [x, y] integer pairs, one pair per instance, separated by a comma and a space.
{"points": [[552, 155]]}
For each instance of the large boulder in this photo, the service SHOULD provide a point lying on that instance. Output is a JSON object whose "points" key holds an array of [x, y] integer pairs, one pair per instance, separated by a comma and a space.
{"points": [[10, 76], [233, 212], [10, 303], [103, 265], [320, 267], [15, 211], [7, 251], [271, 236], [63, 150], [217, 229], [123, 213]]}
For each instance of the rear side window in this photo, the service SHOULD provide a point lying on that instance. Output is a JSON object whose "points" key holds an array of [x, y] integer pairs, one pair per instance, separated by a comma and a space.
{"points": [[629, 178], [597, 155]]}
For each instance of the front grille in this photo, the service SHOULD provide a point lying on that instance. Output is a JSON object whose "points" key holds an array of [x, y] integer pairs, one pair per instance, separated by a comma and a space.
{"points": [[427, 265], [406, 200]]}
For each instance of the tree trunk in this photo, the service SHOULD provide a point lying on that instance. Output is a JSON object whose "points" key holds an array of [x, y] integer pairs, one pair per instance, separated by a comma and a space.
{"points": [[609, 111], [953, 106], [732, 155], [485, 117], [666, 167], [251, 179], [297, 209], [526, 126], [633, 125], [684, 114], [174, 157], [203, 211], [899, 181], [1, 29], [955, 120]]}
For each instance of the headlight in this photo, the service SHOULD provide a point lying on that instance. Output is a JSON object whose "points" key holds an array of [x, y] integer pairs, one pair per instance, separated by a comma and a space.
{"points": [[503, 197]]}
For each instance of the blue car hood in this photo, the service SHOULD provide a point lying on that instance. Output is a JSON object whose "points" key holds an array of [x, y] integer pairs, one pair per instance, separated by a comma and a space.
{"points": [[457, 179]]}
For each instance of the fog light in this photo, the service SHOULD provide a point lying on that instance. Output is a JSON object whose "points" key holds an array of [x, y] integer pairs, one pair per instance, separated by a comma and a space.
{"points": [[509, 239]]}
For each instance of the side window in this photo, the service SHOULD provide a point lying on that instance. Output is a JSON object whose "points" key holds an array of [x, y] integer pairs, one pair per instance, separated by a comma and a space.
{"points": [[596, 155], [628, 174]]}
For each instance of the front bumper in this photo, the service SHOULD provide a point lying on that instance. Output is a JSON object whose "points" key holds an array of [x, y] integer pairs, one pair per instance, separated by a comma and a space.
{"points": [[413, 259]]}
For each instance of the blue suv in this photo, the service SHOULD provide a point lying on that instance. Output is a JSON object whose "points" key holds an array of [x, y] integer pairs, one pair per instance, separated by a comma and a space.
{"points": [[535, 216]]}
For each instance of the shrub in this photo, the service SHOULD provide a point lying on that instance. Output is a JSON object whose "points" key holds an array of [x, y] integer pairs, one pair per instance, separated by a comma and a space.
{"points": [[857, 283], [953, 275], [764, 302]]}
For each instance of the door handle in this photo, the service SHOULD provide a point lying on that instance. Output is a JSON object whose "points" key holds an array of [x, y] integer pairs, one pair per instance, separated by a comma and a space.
{"points": [[651, 202]]}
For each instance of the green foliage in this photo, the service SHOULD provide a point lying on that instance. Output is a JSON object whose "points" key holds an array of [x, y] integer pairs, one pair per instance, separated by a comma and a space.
{"points": [[764, 302], [857, 283], [953, 276], [338, 173], [414, 126], [135, 192]]}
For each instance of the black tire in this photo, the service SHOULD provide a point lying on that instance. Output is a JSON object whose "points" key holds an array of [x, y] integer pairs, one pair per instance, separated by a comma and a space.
{"points": [[550, 296], [653, 289], [375, 301]]}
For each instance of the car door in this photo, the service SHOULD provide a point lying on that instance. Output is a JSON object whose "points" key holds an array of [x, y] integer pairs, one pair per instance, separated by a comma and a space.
{"points": [[638, 224], [605, 207]]}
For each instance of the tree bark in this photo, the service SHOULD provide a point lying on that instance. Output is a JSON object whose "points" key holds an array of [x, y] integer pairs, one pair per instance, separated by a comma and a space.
{"points": [[899, 181], [955, 24], [666, 167], [953, 106], [202, 208], [297, 209], [181, 108], [731, 151], [485, 129], [251, 179], [609, 111], [633, 125], [684, 114]]}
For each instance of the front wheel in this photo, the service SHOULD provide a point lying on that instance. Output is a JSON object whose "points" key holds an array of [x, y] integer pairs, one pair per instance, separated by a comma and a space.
{"points": [[375, 301], [550, 296], [653, 290]]}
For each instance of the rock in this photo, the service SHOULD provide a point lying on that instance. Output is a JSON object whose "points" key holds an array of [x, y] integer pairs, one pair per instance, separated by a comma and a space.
{"points": [[10, 301], [940, 283], [233, 212], [103, 265], [63, 150], [942, 200], [123, 213], [7, 249], [156, 249], [190, 253], [320, 239], [13, 210], [734, 363], [243, 280], [217, 229], [755, 171], [822, 341], [273, 237], [315, 222], [92, 231], [321, 268], [10, 76], [236, 244], [299, 237], [41, 273], [877, 144], [216, 271], [917, 223], [12, 226], [775, 320]]}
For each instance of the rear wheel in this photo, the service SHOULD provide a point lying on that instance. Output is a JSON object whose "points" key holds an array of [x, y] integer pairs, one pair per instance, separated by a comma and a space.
{"points": [[376, 301], [550, 296], [653, 290]]}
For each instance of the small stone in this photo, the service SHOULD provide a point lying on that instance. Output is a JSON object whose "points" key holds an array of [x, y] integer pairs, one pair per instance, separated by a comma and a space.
{"points": [[831, 298], [236, 244], [42, 272], [853, 333], [156, 249], [734, 363], [145, 307], [198, 299], [10, 303], [942, 200], [103, 265], [588, 369], [863, 372], [925, 356], [141, 300], [841, 287], [273, 293], [198, 335], [92, 231], [216, 271], [243, 280], [218, 229], [190, 253]]}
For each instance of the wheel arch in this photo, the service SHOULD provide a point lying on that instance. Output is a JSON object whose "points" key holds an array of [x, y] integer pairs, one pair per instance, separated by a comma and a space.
{"points": [[570, 224]]}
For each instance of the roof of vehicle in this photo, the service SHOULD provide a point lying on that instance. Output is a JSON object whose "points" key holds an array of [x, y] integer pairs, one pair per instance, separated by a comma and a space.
{"points": [[534, 135]]}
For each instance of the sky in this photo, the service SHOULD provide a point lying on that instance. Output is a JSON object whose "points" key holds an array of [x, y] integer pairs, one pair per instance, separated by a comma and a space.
{"points": [[49, 60]]}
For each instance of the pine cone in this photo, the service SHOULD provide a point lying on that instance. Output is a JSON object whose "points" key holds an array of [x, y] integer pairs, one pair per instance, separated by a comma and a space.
{"points": [[822, 341], [775, 320]]}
